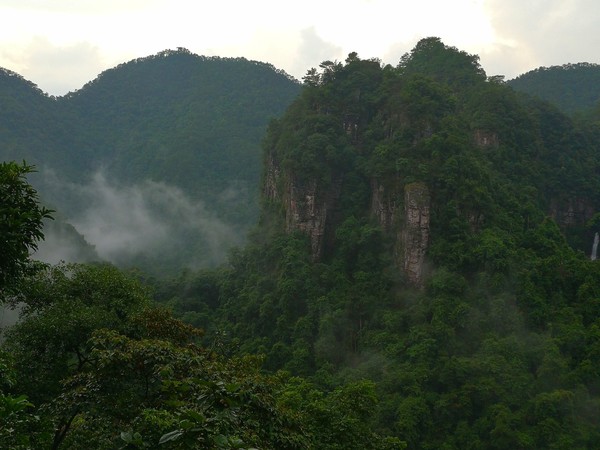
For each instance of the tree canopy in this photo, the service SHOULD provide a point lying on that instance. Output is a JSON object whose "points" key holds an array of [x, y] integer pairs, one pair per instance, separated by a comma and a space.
{"points": [[191, 125], [573, 88], [318, 334], [494, 348], [21, 221]]}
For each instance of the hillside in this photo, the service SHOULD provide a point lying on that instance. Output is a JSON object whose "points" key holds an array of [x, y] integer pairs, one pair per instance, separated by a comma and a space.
{"points": [[423, 275], [172, 132], [570, 87], [427, 229]]}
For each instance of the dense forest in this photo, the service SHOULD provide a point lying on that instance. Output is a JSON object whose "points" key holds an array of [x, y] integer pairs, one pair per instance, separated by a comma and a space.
{"points": [[172, 135], [423, 275], [573, 88]]}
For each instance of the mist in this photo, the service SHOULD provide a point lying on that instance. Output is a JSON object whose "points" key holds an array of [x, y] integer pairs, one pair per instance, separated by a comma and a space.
{"points": [[149, 224]]}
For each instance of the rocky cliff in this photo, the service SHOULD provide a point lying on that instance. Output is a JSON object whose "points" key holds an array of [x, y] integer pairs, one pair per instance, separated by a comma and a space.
{"points": [[424, 150], [413, 237], [409, 227], [306, 204], [571, 212], [308, 208], [383, 204]]}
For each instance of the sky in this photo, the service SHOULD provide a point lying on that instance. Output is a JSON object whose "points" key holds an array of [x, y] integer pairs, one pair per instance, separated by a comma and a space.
{"points": [[62, 44]]}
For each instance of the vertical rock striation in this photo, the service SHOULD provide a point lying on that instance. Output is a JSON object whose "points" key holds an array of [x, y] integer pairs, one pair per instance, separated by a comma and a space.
{"points": [[571, 212], [414, 235], [409, 227], [307, 205], [306, 211], [383, 204]]}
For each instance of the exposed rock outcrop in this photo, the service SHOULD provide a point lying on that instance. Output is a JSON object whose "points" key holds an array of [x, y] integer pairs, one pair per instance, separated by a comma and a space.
{"points": [[486, 139], [307, 205], [410, 226], [414, 235], [307, 209], [572, 212], [383, 204], [272, 177]]}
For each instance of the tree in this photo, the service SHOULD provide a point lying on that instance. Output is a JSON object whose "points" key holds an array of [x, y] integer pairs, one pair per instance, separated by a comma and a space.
{"points": [[62, 306], [156, 392], [432, 58], [21, 218]]}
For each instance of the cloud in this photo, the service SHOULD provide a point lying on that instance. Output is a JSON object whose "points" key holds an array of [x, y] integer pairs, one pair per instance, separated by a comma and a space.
{"points": [[120, 220], [47, 64], [78, 6], [533, 34], [313, 50], [62, 242], [511, 36], [8, 317], [150, 221]]}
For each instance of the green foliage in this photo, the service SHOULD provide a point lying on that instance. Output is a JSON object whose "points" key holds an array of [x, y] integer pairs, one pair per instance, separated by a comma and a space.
{"points": [[430, 57], [571, 87], [62, 306], [173, 396], [105, 369], [191, 122], [341, 419], [19, 428], [21, 219], [495, 349]]}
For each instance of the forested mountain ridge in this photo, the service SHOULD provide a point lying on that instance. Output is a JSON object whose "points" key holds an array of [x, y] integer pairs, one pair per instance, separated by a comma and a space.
{"points": [[570, 87], [433, 137], [177, 102], [420, 271], [173, 125], [428, 229], [26, 117]]}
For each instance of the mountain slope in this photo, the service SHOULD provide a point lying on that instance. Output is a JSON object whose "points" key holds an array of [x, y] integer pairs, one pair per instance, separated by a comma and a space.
{"points": [[192, 119], [570, 87], [413, 233], [173, 130]]}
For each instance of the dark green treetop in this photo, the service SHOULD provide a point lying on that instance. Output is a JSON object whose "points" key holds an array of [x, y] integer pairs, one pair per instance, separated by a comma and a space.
{"points": [[21, 221]]}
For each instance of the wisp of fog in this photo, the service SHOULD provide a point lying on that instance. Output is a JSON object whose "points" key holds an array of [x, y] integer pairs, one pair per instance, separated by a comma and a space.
{"points": [[128, 223]]}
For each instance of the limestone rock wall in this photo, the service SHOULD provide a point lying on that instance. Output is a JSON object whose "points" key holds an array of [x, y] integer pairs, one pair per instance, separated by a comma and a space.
{"points": [[414, 235], [571, 212], [404, 212], [307, 212], [307, 205], [383, 204]]}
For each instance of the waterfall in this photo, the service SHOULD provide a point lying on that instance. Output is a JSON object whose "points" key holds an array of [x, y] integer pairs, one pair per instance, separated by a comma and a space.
{"points": [[595, 247]]}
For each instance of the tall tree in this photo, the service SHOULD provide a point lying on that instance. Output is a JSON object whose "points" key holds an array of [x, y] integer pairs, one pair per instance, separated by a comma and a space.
{"points": [[21, 218]]}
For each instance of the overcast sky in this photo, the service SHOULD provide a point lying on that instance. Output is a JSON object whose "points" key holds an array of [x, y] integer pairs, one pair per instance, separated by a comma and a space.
{"points": [[62, 44]]}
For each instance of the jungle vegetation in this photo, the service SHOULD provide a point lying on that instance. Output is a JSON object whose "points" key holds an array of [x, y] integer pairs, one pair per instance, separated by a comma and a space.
{"points": [[497, 347]]}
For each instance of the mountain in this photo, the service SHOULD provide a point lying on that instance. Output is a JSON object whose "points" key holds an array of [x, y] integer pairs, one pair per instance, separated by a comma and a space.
{"points": [[423, 275], [173, 132], [428, 229], [570, 87]]}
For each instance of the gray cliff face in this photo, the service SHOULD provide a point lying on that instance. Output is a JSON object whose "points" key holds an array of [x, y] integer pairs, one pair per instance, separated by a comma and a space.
{"points": [[572, 212], [272, 177], [307, 206], [306, 211], [383, 205], [413, 238], [486, 139], [409, 226], [403, 212]]}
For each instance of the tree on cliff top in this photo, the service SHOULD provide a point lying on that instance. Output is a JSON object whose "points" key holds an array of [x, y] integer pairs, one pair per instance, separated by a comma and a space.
{"points": [[445, 64]]}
